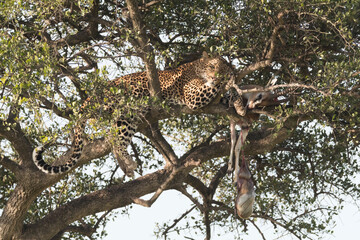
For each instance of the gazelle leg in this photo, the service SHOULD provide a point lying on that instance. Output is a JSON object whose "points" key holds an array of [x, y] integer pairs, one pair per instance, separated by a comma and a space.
{"points": [[233, 141], [239, 144], [244, 185]]}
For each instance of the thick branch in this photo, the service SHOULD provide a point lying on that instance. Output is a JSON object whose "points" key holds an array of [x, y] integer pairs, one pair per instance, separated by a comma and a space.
{"points": [[31, 183], [11, 220], [154, 134], [119, 195], [13, 132], [215, 181], [9, 164], [264, 141], [197, 184], [86, 230], [146, 51], [109, 198], [207, 222]]}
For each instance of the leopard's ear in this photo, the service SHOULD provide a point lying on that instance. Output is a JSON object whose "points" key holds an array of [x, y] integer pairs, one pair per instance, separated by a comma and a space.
{"points": [[205, 56]]}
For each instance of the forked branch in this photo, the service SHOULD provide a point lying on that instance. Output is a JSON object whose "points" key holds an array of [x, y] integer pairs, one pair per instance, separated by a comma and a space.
{"points": [[163, 186]]}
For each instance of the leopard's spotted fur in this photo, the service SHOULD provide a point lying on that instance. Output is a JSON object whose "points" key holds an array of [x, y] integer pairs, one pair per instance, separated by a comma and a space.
{"points": [[194, 84]]}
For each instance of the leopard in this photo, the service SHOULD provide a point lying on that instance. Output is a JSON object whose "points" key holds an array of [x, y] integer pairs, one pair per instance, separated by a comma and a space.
{"points": [[194, 84]]}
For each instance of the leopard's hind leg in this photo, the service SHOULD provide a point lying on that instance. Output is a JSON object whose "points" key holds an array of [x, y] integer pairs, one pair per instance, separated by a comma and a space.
{"points": [[125, 130]]}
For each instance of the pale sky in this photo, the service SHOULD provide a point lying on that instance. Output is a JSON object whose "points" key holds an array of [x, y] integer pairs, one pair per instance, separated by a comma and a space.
{"points": [[141, 222]]}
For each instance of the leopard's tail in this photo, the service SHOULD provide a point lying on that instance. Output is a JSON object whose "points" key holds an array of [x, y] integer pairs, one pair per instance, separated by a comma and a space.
{"points": [[77, 151]]}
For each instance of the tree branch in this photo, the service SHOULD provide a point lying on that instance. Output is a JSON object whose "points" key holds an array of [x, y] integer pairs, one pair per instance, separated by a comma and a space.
{"points": [[146, 51], [197, 184], [145, 6], [176, 221], [90, 32], [267, 58], [158, 192], [109, 198], [154, 134], [275, 222], [265, 140], [12, 131], [182, 189], [85, 229], [257, 228], [207, 221], [215, 181], [10, 164], [120, 195]]}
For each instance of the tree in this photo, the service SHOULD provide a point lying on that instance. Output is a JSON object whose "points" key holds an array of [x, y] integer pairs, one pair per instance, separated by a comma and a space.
{"points": [[303, 156]]}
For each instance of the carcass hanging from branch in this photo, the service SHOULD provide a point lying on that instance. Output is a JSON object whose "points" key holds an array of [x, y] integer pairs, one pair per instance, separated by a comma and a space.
{"points": [[253, 96], [244, 185]]}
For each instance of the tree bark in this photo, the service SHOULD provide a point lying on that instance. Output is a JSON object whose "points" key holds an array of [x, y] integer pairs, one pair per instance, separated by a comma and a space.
{"points": [[11, 221], [145, 48]]}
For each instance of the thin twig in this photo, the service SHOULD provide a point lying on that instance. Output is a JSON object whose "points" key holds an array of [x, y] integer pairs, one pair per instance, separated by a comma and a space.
{"points": [[188, 195], [176, 221], [259, 230]]}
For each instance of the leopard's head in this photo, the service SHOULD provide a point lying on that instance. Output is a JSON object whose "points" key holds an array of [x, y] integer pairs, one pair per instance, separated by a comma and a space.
{"points": [[214, 69]]}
